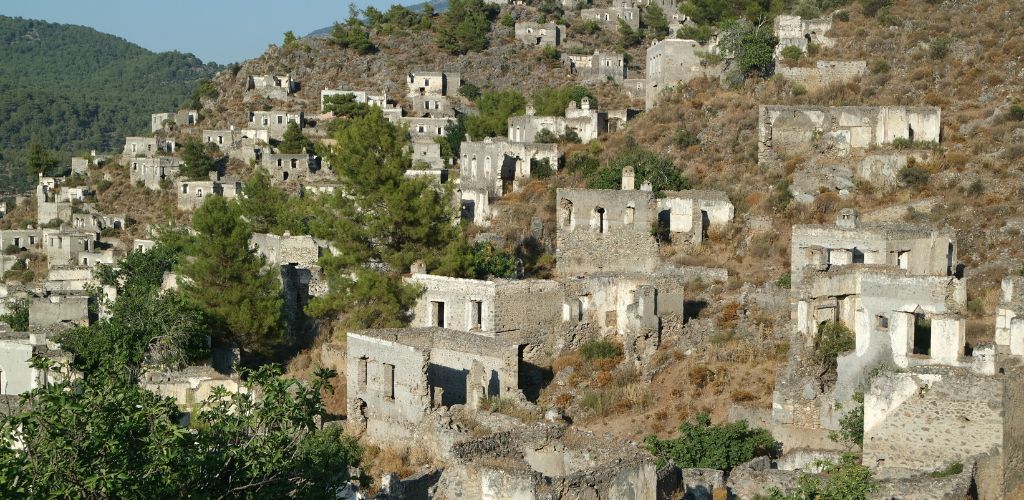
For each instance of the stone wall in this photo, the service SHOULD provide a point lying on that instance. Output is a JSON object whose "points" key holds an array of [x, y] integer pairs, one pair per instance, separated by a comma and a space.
{"points": [[839, 130], [673, 61], [605, 230], [609, 16], [925, 421], [824, 73], [301, 250], [46, 311], [431, 83], [597, 67], [152, 171], [16, 376], [797, 32], [432, 106], [275, 122], [586, 122], [296, 168], [540, 35], [191, 194]]}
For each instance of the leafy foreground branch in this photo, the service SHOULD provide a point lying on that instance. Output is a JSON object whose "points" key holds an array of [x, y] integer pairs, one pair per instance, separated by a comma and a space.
{"points": [[102, 438]]}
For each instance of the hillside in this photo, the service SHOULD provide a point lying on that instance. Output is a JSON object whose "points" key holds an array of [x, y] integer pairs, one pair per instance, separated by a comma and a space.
{"points": [[74, 89]]}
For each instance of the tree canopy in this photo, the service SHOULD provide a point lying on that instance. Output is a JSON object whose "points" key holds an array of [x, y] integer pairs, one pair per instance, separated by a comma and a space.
{"points": [[293, 141], [495, 109], [464, 27], [650, 167], [227, 279], [707, 446], [197, 160], [552, 101]]}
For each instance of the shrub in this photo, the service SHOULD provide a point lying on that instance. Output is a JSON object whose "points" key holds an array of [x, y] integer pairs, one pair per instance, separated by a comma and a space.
{"points": [[851, 425], [549, 53], [541, 169], [600, 349], [976, 188], [507, 20], [699, 33], [19, 265], [842, 16], [546, 136], [17, 318], [785, 281], [939, 47], [902, 143], [871, 7], [699, 376], [833, 339], [1016, 112], [103, 185], [846, 479], [812, 49], [914, 176], [703, 445], [950, 470], [583, 163], [469, 91], [880, 67], [589, 27], [684, 138], [799, 89], [11, 249]]}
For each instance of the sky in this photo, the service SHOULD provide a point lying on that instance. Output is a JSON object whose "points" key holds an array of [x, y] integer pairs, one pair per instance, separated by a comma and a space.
{"points": [[222, 31]]}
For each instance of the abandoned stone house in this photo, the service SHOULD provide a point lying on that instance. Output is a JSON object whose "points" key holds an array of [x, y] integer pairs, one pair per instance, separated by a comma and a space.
{"points": [[296, 167], [244, 144], [617, 225], [398, 377], [432, 107], [433, 83], [673, 61], [539, 34], [426, 155], [183, 118], [636, 88], [191, 194], [425, 127], [840, 130], [275, 122], [496, 167], [549, 461], [824, 73], [272, 86], [154, 172], [286, 249], [609, 16], [797, 32], [378, 99], [147, 146], [91, 220], [587, 123], [79, 165], [67, 246], [17, 376], [597, 67], [52, 203]]}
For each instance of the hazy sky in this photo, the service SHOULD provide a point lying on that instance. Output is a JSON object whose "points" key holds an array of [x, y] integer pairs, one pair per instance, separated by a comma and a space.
{"points": [[223, 31]]}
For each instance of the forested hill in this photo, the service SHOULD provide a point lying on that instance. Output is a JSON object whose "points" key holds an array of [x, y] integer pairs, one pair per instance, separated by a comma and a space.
{"points": [[72, 89]]}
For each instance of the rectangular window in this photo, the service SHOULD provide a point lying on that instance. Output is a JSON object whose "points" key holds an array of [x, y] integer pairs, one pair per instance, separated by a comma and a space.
{"points": [[881, 322], [389, 381], [280, 119], [362, 373], [438, 312], [477, 310]]}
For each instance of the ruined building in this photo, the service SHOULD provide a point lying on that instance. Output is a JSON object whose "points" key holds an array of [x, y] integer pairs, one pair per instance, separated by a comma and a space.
{"points": [[585, 122], [244, 144], [191, 193], [272, 86], [154, 172], [303, 168], [275, 122], [797, 32], [378, 99], [540, 35], [673, 61], [597, 67], [433, 83], [183, 118], [496, 167], [609, 16]]}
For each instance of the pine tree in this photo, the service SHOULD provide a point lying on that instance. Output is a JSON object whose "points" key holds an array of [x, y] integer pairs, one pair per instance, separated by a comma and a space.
{"points": [[655, 21], [40, 160], [197, 162], [228, 281], [464, 26], [293, 142], [269, 209]]}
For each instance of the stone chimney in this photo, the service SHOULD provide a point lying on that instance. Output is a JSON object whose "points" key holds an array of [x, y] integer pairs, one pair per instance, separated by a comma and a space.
{"points": [[646, 186], [530, 110], [628, 178], [848, 218], [585, 103]]}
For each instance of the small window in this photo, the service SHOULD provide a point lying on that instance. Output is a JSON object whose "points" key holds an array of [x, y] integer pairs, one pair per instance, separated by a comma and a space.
{"points": [[280, 119], [362, 373], [881, 322], [477, 310], [438, 312], [389, 381]]}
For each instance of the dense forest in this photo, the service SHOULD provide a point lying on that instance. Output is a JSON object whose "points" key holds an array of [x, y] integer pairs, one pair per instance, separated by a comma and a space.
{"points": [[73, 89]]}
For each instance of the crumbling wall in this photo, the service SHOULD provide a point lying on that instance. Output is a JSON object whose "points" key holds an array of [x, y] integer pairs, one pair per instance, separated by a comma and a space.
{"points": [[927, 420], [46, 311], [16, 376], [840, 129], [540, 35], [673, 61], [618, 240], [824, 73]]}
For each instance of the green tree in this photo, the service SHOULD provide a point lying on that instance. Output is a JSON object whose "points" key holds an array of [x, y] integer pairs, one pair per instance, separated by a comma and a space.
{"points": [[228, 281], [383, 218], [481, 260], [197, 161], [17, 316], [655, 21], [833, 339], [469, 91], [703, 445], [144, 325], [628, 37], [451, 141], [289, 39], [345, 105], [649, 167], [464, 27], [753, 46], [792, 53], [851, 425], [269, 209], [353, 34], [699, 33], [293, 141], [552, 101], [846, 479], [495, 109], [40, 160], [101, 438]]}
